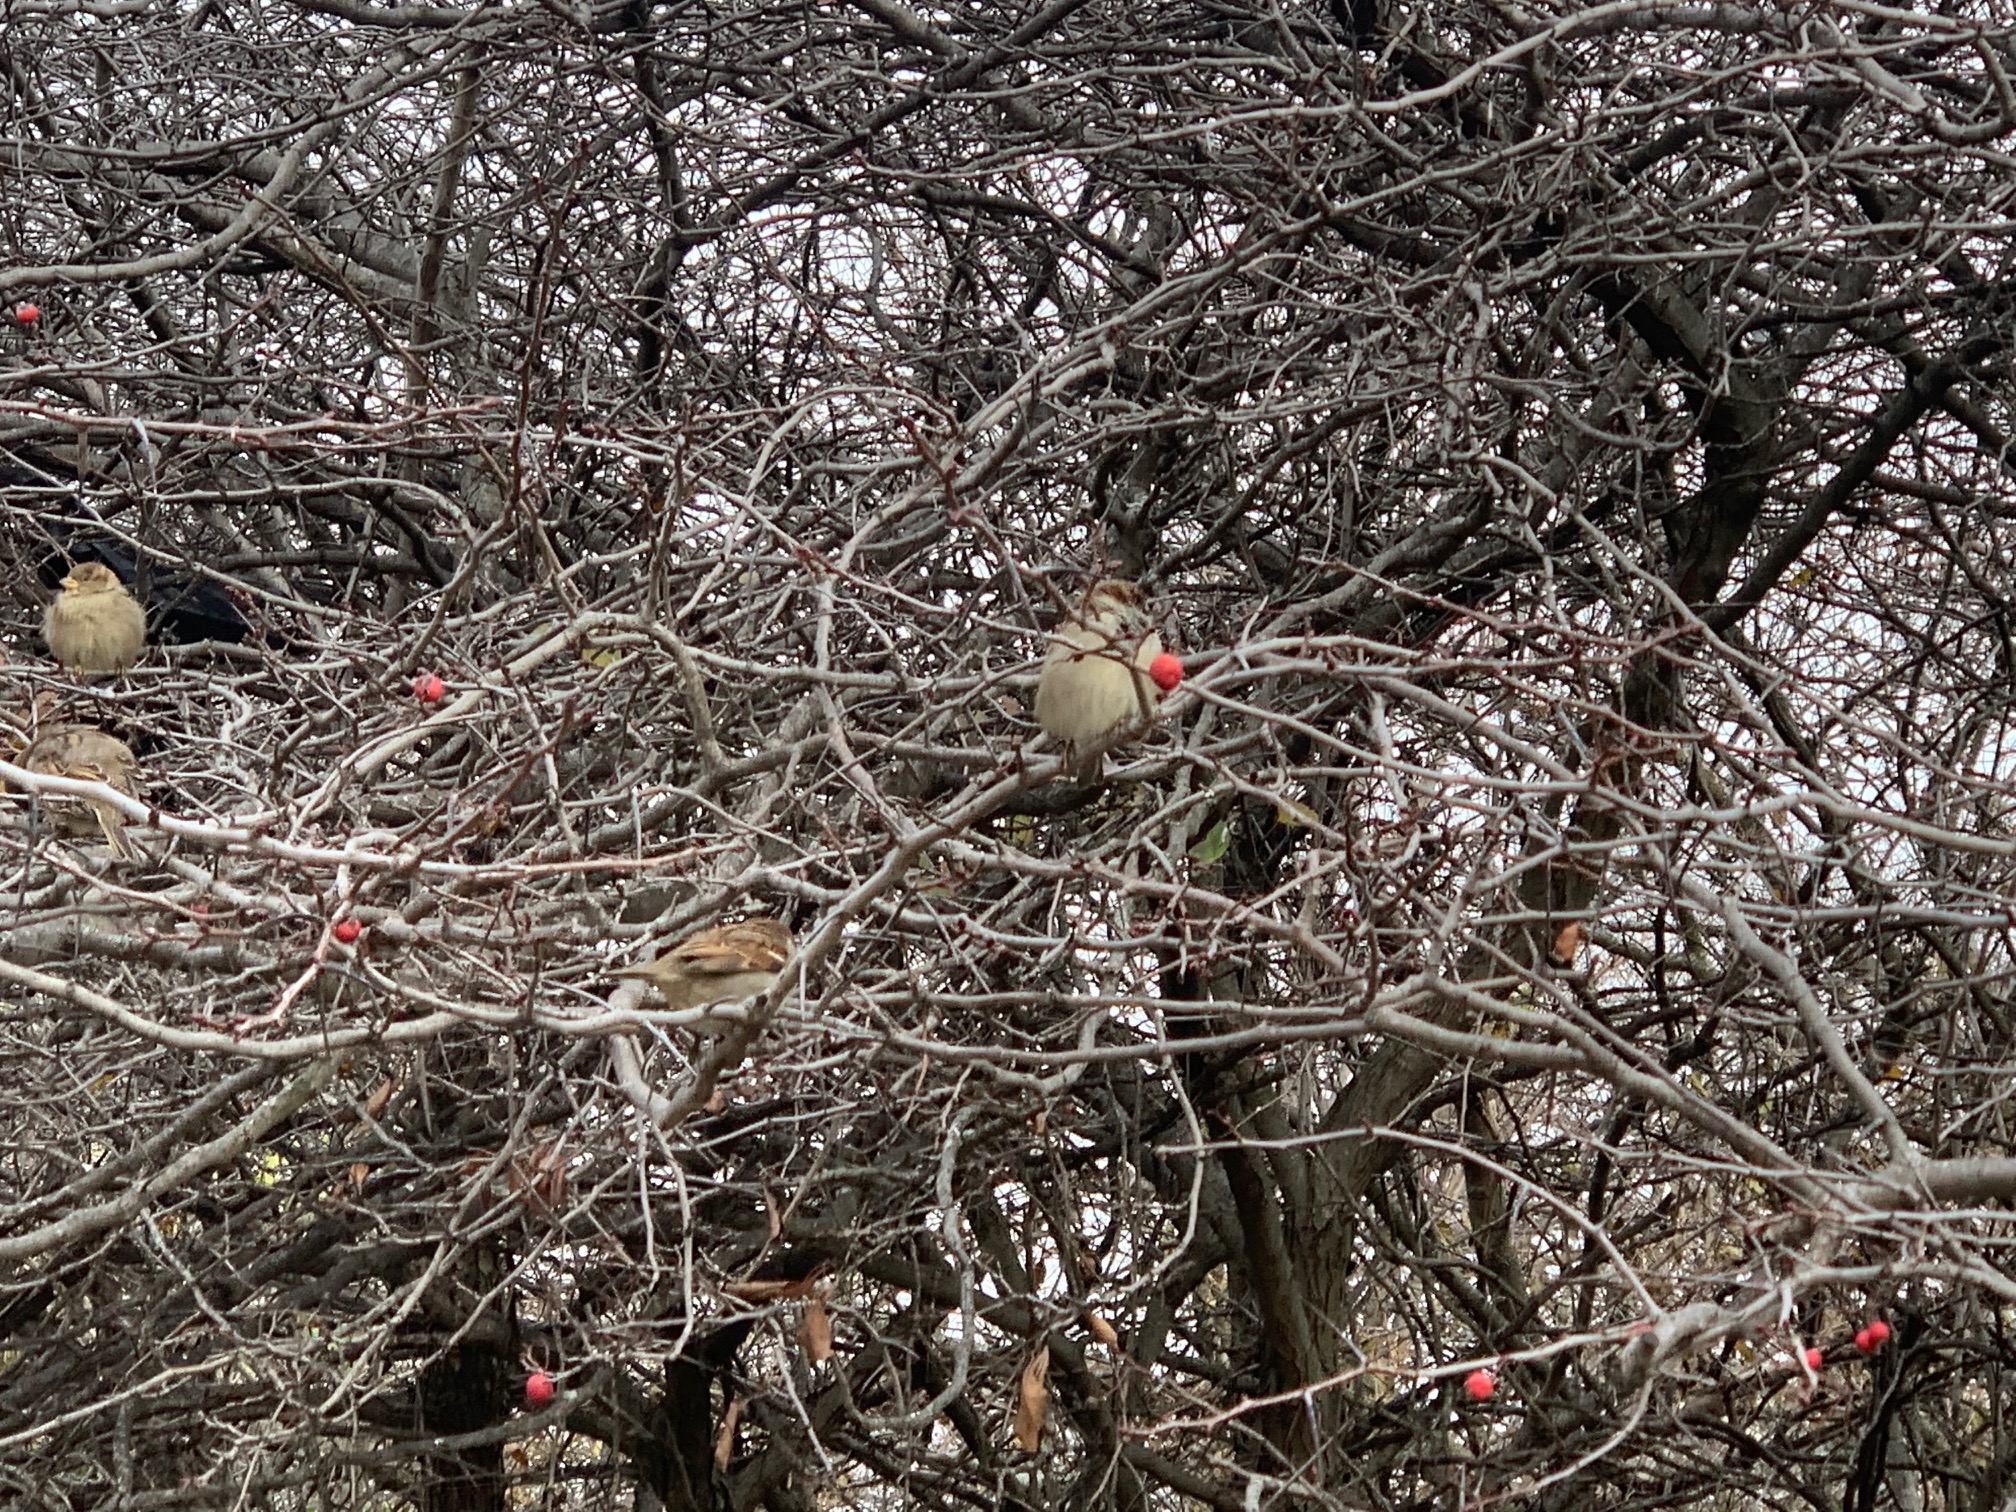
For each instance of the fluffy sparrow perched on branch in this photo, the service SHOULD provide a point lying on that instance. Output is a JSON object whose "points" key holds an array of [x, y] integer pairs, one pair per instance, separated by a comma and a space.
{"points": [[718, 965], [1095, 678], [94, 624], [72, 750]]}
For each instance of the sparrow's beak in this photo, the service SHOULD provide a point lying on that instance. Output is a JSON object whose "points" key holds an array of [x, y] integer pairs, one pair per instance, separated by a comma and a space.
{"points": [[67, 583]]}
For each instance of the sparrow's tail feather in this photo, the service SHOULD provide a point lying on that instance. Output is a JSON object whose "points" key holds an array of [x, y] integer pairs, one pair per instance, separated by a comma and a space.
{"points": [[113, 824]]}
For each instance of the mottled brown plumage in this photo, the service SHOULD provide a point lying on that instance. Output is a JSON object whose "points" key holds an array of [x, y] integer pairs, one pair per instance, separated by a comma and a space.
{"points": [[79, 751], [718, 965], [94, 624]]}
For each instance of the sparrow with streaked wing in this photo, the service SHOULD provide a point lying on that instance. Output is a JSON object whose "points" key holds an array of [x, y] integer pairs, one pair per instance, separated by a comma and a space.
{"points": [[90, 755], [719, 964]]}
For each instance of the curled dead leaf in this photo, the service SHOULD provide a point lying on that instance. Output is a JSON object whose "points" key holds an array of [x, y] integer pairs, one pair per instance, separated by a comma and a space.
{"points": [[1567, 944], [1032, 1401], [724, 1441], [815, 1332], [771, 1291], [1102, 1330], [381, 1095], [539, 1177]]}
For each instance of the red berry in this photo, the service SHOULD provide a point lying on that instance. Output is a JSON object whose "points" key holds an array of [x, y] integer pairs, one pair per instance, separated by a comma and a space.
{"points": [[538, 1389], [1480, 1384], [1166, 671], [428, 687], [347, 930], [27, 312], [1873, 1336], [1814, 1357]]}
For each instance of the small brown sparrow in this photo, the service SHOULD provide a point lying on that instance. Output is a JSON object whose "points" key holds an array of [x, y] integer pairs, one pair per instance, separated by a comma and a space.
{"points": [[94, 624], [718, 965], [73, 750], [1095, 679]]}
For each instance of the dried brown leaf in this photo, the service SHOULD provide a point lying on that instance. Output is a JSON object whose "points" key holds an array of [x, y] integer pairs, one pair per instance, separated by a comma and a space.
{"points": [[724, 1441], [815, 1332], [381, 1095], [540, 1176], [1567, 943], [769, 1291], [1032, 1400]]}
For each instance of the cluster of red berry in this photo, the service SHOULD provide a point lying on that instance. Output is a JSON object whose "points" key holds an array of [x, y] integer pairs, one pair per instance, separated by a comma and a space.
{"points": [[1870, 1337]]}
